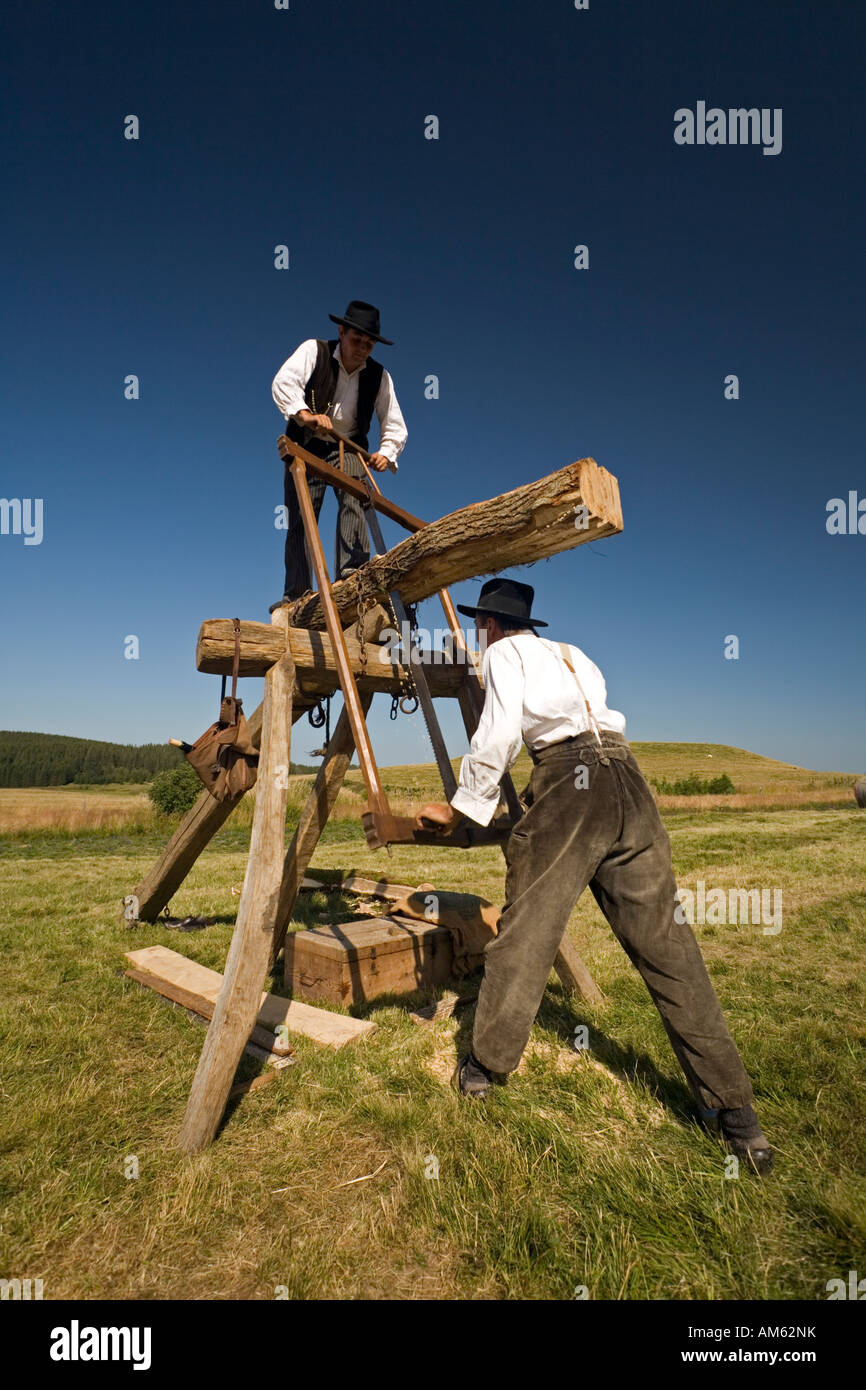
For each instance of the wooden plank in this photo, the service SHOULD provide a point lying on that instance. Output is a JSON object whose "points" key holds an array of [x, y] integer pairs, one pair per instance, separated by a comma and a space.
{"points": [[246, 967], [334, 880], [313, 818], [516, 528], [161, 970], [315, 661], [203, 1005]]}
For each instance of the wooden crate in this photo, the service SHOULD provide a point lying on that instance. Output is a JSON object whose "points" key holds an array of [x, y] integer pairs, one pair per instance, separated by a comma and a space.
{"points": [[357, 961]]}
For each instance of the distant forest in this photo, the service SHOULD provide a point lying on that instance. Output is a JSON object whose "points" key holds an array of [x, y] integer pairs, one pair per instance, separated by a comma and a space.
{"points": [[53, 760]]}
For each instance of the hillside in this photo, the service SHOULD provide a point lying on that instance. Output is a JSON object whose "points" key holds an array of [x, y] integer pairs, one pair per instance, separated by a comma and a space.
{"points": [[55, 760], [757, 780]]}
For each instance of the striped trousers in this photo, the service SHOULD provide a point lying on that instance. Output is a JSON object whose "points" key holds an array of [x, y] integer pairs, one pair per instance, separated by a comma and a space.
{"points": [[352, 543]]}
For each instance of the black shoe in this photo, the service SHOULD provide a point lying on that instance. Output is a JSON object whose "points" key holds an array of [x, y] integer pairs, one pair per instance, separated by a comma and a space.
{"points": [[471, 1078], [288, 599], [742, 1135]]}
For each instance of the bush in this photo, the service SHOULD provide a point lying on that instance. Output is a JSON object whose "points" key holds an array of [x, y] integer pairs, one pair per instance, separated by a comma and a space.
{"points": [[695, 786], [175, 792]]}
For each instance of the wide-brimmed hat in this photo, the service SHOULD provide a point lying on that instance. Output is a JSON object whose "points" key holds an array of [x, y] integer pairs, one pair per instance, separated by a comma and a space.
{"points": [[504, 598], [363, 317]]}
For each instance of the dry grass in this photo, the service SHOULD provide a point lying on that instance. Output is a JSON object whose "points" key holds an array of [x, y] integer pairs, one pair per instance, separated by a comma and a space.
{"points": [[761, 783], [779, 799], [72, 808]]}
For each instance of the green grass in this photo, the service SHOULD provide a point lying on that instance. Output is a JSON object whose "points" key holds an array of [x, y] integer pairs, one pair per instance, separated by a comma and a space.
{"points": [[586, 1169]]}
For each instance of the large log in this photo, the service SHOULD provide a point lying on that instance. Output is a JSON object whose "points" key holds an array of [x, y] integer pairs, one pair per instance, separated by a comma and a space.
{"points": [[313, 655], [516, 528], [246, 967]]}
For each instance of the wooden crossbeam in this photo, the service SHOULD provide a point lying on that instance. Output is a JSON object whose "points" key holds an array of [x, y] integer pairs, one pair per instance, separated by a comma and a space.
{"points": [[314, 657]]}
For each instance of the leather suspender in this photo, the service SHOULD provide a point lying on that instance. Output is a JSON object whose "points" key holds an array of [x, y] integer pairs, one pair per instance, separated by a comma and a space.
{"points": [[593, 722]]}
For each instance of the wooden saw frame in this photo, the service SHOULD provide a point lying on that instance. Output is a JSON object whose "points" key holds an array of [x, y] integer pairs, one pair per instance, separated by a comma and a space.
{"points": [[308, 652]]}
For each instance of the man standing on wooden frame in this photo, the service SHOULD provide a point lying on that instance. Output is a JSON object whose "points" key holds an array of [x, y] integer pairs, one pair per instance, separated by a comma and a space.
{"points": [[591, 820], [336, 383]]}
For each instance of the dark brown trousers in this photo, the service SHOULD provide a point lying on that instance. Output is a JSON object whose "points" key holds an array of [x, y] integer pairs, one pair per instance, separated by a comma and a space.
{"points": [[607, 834]]}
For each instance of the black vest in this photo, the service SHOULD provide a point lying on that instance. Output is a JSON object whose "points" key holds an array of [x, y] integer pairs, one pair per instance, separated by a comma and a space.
{"points": [[319, 396]]}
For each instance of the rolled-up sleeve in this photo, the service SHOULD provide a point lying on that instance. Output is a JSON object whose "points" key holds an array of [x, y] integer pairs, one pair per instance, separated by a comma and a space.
{"points": [[498, 737], [291, 380], [392, 427]]}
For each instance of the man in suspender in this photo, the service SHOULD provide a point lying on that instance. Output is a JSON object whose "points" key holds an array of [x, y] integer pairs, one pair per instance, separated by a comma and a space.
{"points": [[591, 820], [336, 383]]}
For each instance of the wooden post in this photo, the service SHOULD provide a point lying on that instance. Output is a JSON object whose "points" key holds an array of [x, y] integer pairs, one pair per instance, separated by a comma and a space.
{"points": [[246, 968], [314, 818]]}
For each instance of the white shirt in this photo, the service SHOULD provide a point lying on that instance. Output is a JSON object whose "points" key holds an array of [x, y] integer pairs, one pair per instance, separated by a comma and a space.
{"points": [[292, 378], [530, 696]]}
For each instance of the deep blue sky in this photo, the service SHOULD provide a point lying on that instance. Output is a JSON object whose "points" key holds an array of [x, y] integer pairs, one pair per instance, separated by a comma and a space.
{"points": [[306, 127]]}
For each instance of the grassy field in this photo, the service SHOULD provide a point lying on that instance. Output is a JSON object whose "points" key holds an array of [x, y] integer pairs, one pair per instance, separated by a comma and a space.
{"points": [[587, 1169], [759, 782]]}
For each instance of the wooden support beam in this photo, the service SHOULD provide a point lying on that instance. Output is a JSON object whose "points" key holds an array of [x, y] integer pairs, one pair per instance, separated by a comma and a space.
{"points": [[314, 657], [313, 819], [246, 967], [192, 836], [329, 474], [516, 528], [366, 759]]}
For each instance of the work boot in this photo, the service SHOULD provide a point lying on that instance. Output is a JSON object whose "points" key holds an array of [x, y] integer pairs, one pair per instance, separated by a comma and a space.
{"points": [[740, 1131], [289, 599], [471, 1078]]}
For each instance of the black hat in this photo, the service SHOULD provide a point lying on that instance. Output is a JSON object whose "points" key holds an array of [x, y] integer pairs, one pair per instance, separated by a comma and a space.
{"points": [[364, 317], [504, 598]]}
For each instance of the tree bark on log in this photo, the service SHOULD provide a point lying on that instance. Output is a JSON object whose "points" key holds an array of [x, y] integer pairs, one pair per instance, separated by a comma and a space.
{"points": [[516, 528]]}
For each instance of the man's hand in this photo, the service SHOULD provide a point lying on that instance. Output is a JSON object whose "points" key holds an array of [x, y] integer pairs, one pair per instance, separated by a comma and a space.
{"points": [[436, 816], [316, 423], [380, 462]]}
